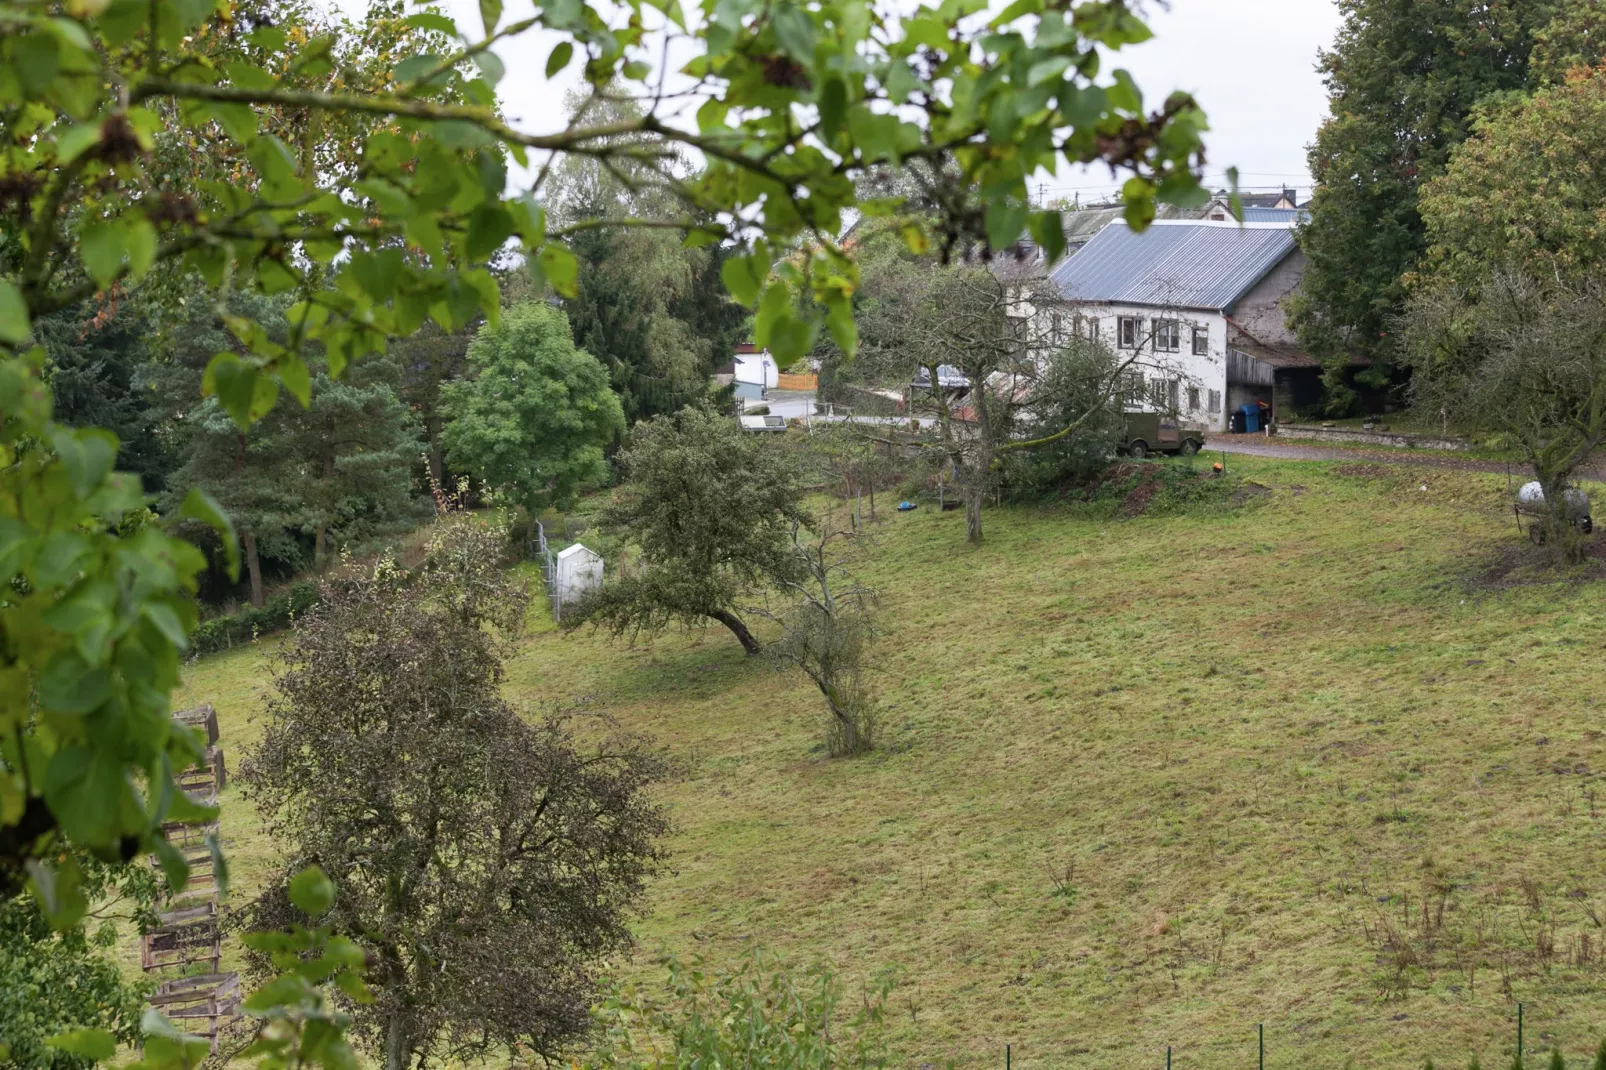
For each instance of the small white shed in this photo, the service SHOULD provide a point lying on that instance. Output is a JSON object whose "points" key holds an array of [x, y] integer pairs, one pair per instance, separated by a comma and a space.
{"points": [[756, 368], [577, 571]]}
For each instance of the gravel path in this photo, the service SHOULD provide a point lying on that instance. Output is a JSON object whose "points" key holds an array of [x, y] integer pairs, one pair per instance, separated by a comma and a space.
{"points": [[1259, 446]]}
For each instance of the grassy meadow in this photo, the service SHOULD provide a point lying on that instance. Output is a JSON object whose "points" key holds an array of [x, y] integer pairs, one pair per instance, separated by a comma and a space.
{"points": [[1328, 759]]}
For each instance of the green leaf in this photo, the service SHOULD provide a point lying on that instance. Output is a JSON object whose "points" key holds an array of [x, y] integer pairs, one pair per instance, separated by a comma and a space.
{"points": [[833, 107], [744, 276], [69, 685], [220, 863], [377, 272], [559, 59], [294, 377], [73, 143], [13, 315], [96, 1045], [101, 247], [1048, 230], [312, 892], [344, 952], [491, 67], [560, 268], [171, 859], [244, 392], [489, 226], [794, 31], [287, 990], [434, 22], [88, 791], [490, 15], [199, 505], [1005, 219], [140, 241], [59, 892]]}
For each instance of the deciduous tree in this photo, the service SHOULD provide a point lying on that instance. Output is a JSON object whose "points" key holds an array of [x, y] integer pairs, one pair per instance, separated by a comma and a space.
{"points": [[486, 864], [535, 413], [1403, 80], [710, 509]]}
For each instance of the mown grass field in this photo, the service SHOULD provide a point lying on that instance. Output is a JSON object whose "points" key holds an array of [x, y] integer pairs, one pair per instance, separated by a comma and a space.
{"points": [[1147, 782]]}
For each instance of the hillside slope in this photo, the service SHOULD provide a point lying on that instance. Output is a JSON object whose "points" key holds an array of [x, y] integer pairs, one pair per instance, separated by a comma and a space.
{"points": [[1322, 761]]}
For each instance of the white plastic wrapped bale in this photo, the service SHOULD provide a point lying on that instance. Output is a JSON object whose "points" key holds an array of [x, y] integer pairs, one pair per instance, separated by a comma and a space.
{"points": [[578, 571], [1531, 499]]}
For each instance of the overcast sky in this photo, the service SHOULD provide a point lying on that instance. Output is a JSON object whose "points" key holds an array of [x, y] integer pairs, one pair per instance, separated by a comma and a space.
{"points": [[1250, 63]]}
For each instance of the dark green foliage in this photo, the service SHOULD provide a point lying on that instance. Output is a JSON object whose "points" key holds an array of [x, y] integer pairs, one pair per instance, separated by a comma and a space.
{"points": [[98, 359], [485, 863], [1599, 1062], [274, 614], [1074, 383], [711, 509], [1556, 1060], [1403, 80]]}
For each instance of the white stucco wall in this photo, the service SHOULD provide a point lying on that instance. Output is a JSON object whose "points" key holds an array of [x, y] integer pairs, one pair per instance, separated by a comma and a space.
{"points": [[1206, 373]]}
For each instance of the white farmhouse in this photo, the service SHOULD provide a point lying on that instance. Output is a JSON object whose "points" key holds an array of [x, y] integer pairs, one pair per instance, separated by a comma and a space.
{"points": [[1199, 304]]}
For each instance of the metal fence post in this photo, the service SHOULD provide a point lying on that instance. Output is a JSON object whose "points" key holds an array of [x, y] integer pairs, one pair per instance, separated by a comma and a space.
{"points": [[1519, 1037], [1168, 1057], [1261, 1029], [1006, 1057]]}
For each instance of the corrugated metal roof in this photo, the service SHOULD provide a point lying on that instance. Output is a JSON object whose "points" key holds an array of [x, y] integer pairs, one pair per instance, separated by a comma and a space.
{"points": [[1182, 264], [1275, 215]]}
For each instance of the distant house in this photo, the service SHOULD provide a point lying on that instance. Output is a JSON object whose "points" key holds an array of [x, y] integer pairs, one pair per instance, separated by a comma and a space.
{"points": [[752, 370], [1199, 305], [755, 371]]}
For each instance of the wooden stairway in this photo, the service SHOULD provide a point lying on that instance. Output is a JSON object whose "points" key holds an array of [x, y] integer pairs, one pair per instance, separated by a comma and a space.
{"points": [[185, 949]]}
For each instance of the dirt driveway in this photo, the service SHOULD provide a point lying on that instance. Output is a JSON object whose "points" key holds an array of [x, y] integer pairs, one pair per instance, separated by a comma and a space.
{"points": [[1260, 446]]}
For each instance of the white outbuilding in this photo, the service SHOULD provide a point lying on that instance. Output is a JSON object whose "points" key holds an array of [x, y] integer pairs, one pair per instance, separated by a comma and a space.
{"points": [[577, 571]]}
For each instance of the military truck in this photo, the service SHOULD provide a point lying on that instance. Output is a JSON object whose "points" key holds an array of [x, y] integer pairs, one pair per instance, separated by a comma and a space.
{"points": [[1152, 432]]}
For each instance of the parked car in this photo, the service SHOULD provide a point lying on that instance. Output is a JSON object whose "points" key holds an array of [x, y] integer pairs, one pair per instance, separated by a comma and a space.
{"points": [[1150, 432]]}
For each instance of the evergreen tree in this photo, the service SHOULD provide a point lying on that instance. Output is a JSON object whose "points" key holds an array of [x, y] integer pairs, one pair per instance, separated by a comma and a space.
{"points": [[98, 356]]}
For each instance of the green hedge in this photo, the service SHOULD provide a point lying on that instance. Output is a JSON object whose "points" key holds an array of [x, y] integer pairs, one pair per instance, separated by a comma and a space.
{"points": [[275, 614]]}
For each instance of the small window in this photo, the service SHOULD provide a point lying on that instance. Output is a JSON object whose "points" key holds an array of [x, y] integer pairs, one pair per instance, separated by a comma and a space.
{"points": [[1193, 399], [1215, 402], [1056, 329], [1092, 325], [1174, 395], [1131, 327], [1167, 336], [1131, 387], [1201, 341]]}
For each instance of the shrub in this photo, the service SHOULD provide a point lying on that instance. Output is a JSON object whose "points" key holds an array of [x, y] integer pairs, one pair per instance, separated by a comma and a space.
{"points": [[760, 1014], [273, 615]]}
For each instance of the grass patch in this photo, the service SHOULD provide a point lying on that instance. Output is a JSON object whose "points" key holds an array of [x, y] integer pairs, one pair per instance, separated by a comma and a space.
{"points": [[1144, 781]]}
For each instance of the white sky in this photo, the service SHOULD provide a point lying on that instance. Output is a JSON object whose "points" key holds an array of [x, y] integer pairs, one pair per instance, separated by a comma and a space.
{"points": [[1250, 63]]}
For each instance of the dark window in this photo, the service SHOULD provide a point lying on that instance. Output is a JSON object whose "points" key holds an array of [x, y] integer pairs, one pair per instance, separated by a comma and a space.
{"points": [[1167, 336], [1056, 329], [1193, 399], [1175, 395], [1201, 341], [1131, 328], [1215, 402]]}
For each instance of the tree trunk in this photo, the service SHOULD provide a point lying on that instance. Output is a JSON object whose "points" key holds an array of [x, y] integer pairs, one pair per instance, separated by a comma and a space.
{"points": [[253, 566], [738, 629], [973, 495], [320, 537], [397, 1045]]}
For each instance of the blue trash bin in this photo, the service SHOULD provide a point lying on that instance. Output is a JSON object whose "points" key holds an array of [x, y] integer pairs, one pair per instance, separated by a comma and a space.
{"points": [[1251, 417]]}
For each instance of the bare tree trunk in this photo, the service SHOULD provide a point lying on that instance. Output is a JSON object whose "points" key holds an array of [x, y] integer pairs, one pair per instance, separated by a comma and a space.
{"points": [[398, 1055], [738, 629], [973, 496], [253, 566], [320, 536]]}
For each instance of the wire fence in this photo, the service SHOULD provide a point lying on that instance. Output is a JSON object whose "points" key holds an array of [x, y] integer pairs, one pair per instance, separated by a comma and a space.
{"points": [[1251, 1051]]}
